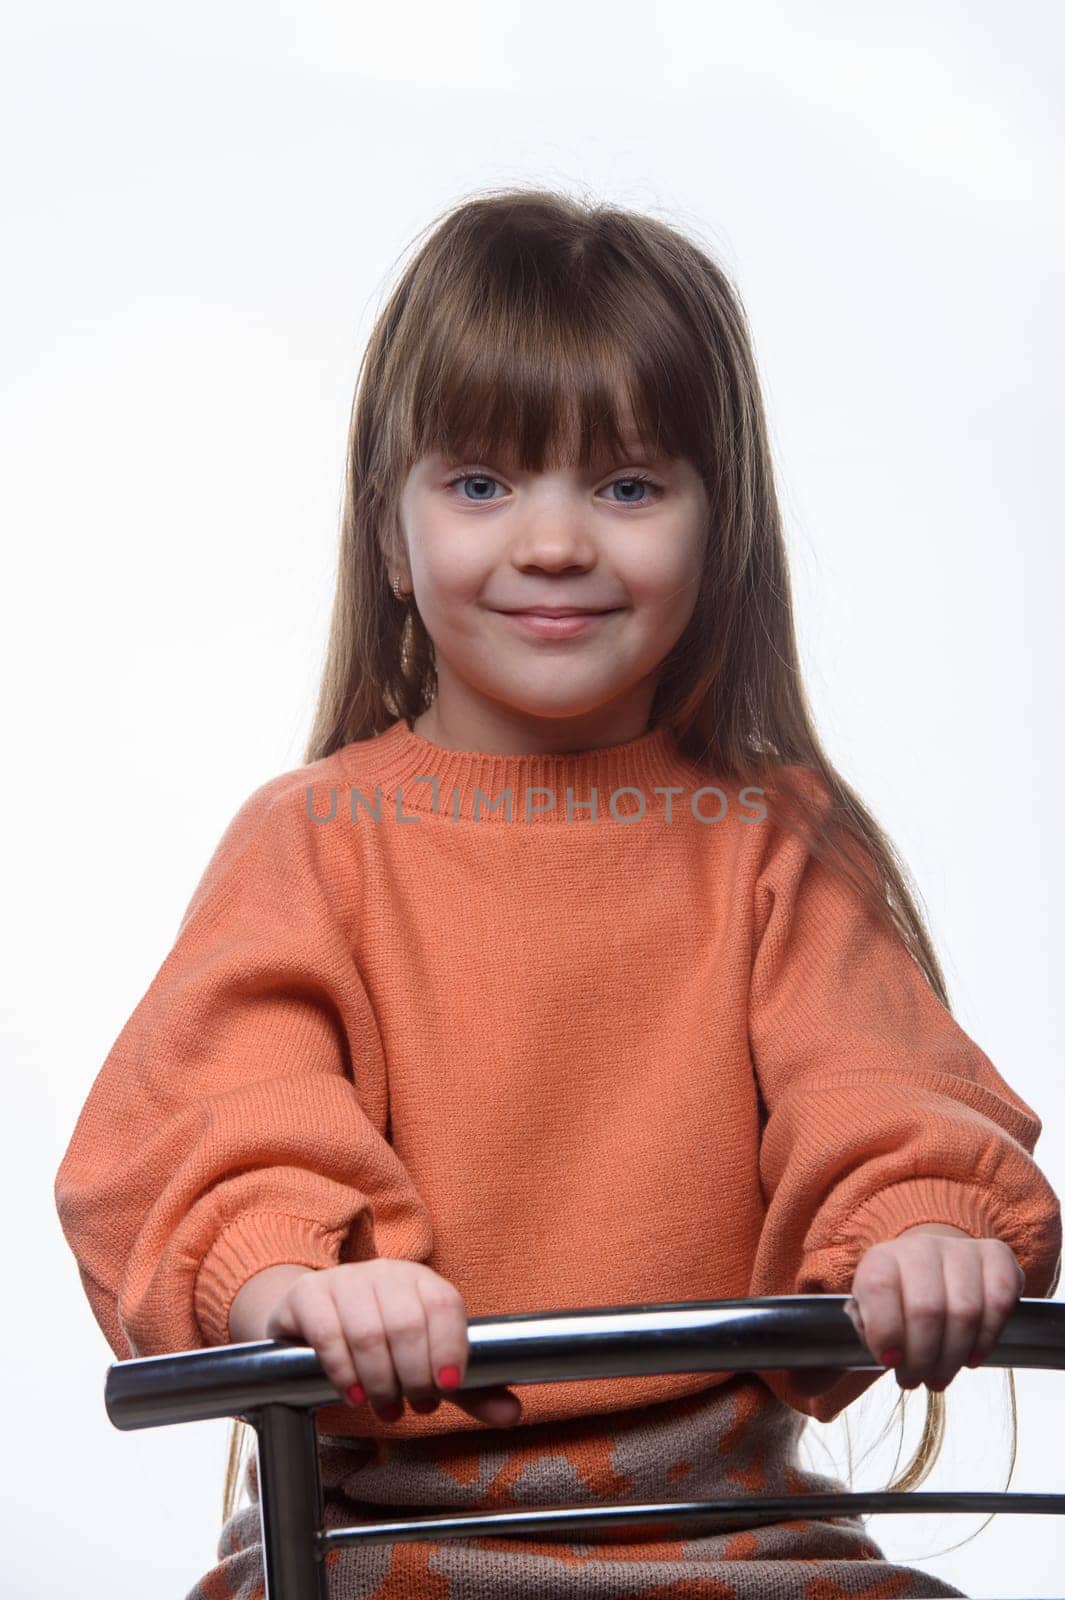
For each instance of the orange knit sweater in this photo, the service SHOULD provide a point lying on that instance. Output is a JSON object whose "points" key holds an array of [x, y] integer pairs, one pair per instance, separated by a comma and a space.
{"points": [[622, 1043]]}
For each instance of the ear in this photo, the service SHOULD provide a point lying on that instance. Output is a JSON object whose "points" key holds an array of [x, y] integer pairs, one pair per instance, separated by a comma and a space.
{"points": [[394, 559]]}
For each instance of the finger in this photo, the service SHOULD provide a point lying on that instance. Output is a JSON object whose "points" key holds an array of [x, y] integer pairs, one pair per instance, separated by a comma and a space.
{"points": [[963, 1279], [424, 1404], [449, 1349], [813, 1380], [313, 1316], [364, 1330], [923, 1307], [416, 1312], [1003, 1280], [406, 1329], [498, 1406], [447, 1341], [877, 1293]]}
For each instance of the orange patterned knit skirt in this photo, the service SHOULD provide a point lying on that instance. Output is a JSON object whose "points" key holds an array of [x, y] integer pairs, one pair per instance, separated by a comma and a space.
{"points": [[734, 1439]]}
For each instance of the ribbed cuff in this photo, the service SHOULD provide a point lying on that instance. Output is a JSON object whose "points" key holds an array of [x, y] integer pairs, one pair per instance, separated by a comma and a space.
{"points": [[903, 1205], [830, 1268], [248, 1245]]}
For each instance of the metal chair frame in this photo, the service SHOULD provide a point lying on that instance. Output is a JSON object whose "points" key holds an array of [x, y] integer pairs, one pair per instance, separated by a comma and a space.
{"points": [[277, 1385]]}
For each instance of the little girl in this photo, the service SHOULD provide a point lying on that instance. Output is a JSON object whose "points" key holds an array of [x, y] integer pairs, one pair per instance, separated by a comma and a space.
{"points": [[567, 972]]}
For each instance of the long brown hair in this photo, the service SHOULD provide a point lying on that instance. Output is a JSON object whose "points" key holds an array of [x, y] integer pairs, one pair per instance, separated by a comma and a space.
{"points": [[518, 323]]}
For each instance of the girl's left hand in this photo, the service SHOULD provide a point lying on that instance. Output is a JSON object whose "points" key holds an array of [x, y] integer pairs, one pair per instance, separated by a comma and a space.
{"points": [[927, 1303]]}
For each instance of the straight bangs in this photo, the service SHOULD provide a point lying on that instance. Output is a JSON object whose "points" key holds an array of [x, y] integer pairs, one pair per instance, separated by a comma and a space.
{"points": [[537, 356]]}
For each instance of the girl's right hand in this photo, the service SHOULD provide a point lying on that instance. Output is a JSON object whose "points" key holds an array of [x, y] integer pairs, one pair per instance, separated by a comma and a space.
{"points": [[390, 1326]]}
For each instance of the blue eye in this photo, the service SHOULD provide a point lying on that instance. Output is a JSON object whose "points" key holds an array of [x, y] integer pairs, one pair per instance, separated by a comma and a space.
{"points": [[486, 477], [636, 477], [472, 477]]}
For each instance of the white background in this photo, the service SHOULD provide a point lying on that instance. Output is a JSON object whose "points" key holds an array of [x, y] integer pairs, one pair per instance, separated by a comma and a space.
{"points": [[204, 208]]}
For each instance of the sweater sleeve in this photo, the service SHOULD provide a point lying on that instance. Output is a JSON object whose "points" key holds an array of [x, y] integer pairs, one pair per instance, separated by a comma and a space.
{"points": [[238, 1121], [880, 1111]]}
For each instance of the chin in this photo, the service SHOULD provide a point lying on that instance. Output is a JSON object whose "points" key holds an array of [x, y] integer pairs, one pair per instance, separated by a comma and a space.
{"points": [[547, 710]]}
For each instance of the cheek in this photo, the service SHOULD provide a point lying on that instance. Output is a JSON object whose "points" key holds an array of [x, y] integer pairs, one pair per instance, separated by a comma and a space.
{"points": [[453, 571], [664, 580]]}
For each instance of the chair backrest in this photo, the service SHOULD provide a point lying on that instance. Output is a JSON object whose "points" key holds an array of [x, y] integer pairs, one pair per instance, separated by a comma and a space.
{"points": [[276, 1385]]}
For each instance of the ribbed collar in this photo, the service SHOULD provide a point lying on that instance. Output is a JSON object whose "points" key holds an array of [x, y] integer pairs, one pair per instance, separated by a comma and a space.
{"points": [[397, 757]]}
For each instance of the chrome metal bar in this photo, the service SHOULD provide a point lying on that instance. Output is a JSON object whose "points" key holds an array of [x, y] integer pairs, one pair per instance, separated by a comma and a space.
{"points": [[599, 1342], [290, 1504], [683, 1517]]}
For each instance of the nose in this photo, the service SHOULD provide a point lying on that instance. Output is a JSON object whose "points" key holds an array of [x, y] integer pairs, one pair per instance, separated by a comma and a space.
{"points": [[553, 540]]}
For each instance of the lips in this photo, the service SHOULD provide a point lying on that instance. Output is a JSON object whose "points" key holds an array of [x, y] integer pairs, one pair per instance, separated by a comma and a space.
{"points": [[560, 611], [556, 625]]}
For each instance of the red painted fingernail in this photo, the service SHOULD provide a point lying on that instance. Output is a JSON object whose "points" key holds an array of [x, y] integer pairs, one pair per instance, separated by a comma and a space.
{"points": [[936, 1388], [448, 1377], [890, 1357], [976, 1358], [391, 1412], [356, 1394]]}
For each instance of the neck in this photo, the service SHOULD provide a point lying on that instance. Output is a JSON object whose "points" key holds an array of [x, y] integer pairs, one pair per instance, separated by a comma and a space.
{"points": [[488, 729]]}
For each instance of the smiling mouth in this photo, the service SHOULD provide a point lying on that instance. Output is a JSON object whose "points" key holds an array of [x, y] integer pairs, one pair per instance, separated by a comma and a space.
{"points": [[542, 625]]}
